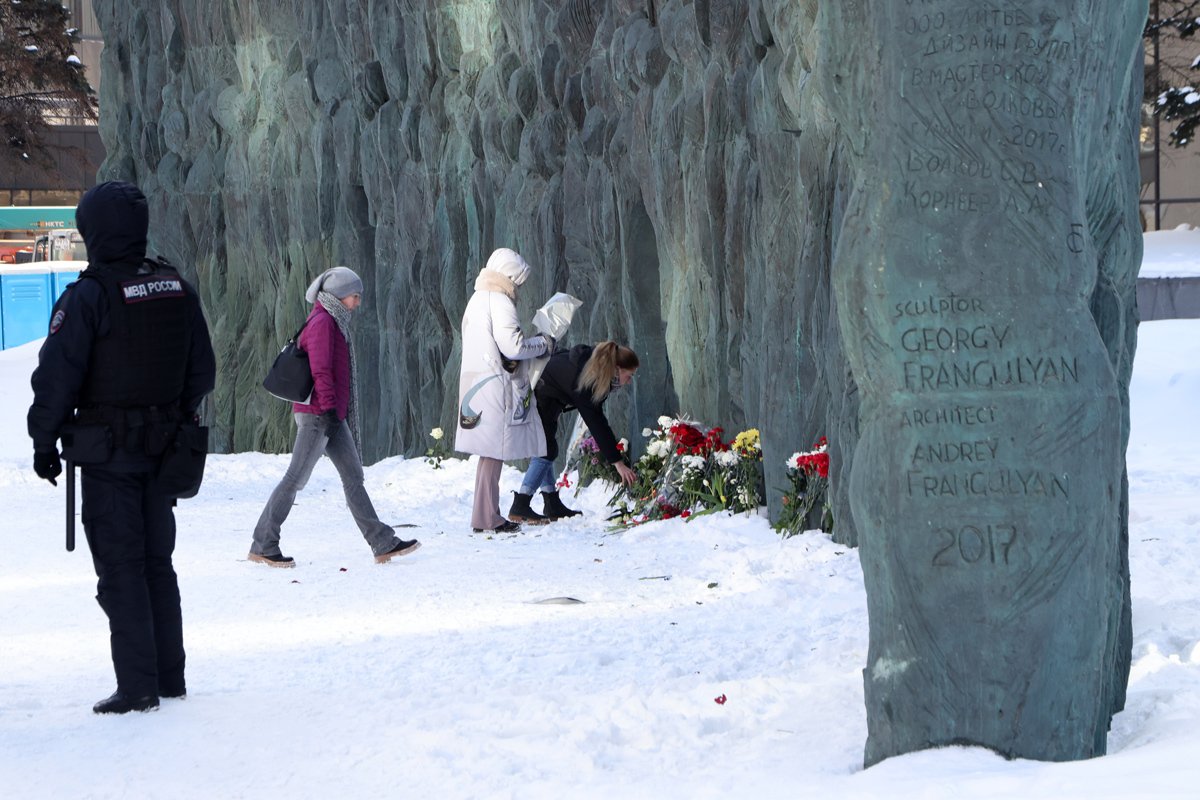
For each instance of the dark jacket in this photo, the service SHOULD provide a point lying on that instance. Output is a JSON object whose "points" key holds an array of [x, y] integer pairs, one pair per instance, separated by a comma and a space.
{"points": [[113, 220], [556, 393], [329, 359]]}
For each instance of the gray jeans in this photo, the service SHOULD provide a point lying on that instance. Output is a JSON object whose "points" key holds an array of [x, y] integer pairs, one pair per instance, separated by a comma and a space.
{"points": [[311, 442]]}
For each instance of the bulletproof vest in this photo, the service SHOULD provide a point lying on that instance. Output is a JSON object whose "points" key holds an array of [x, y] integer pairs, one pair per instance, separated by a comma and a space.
{"points": [[142, 361]]}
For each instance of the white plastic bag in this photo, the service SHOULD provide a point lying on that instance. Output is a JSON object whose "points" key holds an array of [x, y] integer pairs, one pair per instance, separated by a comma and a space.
{"points": [[553, 318]]}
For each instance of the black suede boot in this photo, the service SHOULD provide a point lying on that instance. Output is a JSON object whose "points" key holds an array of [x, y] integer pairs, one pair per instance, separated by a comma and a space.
{"points": [[119, 703], [553, 508], [521, 512]]}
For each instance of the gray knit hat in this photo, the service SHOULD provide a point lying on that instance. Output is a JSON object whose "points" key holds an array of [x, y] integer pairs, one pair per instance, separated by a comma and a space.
{"points": [[341, 282]]}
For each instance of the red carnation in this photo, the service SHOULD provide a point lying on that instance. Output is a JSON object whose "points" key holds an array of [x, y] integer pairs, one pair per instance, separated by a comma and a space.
{"points": [[686, 435]]}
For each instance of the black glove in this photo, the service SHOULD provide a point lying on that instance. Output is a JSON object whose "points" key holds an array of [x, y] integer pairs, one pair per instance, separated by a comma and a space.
{"points": [[47, 465], [331, 422]]}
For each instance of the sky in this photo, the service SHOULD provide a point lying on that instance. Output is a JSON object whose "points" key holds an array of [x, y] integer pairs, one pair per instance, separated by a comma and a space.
{"points": [[445, 674]]}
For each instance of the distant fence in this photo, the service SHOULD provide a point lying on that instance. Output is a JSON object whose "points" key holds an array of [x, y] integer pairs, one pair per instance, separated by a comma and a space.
{"points": [[1168, 298], [28, 291]]}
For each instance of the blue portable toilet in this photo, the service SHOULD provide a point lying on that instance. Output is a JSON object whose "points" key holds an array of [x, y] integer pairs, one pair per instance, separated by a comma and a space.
{"points": [[26, 295], [64, 272]]}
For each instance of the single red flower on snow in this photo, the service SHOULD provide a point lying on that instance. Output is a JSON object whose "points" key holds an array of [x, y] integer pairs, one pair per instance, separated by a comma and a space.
{"points": [[719, 700]]}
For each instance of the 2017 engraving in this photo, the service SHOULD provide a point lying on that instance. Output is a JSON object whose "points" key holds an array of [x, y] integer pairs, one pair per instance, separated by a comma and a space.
{"points": [[1036, 139], [972, 544]]}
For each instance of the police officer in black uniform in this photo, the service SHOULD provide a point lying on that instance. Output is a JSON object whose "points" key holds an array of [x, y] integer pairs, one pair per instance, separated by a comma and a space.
{"points": [[128, 357]]}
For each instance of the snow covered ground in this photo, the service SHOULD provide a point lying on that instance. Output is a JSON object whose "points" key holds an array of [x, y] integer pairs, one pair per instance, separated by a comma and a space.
{"points": [[442, 676], [1171, 254]]}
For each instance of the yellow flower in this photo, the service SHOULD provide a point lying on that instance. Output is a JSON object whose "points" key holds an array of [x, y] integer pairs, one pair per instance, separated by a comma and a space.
{"points": [[437, 433], [747, 440]]}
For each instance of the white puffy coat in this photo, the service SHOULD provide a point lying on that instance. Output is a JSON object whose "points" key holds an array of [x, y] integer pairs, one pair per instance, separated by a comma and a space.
{"points": [[497, 411]]}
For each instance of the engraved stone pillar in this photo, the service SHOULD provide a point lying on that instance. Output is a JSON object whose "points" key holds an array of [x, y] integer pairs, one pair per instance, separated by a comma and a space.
{"points": [[994, 162]]}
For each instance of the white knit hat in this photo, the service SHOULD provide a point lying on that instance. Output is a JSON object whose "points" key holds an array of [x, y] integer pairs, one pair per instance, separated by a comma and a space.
{"points": [[341, 282], [509, 264]]}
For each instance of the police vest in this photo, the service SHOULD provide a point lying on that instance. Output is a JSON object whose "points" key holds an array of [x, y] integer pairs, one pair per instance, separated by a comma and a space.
{"points": [[143, 360]]}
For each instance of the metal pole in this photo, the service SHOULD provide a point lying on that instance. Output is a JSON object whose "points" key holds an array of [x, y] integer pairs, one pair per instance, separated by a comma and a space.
{"points": [[70, 506], [1157, 131]]}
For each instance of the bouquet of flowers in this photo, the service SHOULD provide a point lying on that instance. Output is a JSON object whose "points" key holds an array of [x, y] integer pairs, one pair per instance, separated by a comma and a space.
{"points": [[808, 474], [591, 465], [686, 471], [739, 470]]}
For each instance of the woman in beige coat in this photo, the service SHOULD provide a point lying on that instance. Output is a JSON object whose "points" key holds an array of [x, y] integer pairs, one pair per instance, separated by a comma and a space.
{"points": [[497, 418]]}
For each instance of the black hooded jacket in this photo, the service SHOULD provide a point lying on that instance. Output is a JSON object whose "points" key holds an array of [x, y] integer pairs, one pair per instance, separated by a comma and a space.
{"points": [[556, 393], [129, 333], [113, 219]]}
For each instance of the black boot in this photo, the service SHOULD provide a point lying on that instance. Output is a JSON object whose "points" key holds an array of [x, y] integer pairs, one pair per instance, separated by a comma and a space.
{"points": [[553, 508], [521, 512], [121, 704], [506, 526]]}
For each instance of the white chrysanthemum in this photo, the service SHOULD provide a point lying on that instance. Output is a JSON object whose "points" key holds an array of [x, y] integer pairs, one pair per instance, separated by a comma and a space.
{"points": [[437, 433], [693, 463], [660, 448], [726, 458]]}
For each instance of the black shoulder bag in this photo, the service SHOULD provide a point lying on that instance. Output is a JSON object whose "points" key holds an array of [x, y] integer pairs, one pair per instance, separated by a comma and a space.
{"points": [[290, 377]]}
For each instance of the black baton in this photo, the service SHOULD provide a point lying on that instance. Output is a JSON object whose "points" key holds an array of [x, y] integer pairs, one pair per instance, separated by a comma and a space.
{"points": [[70, 506]]}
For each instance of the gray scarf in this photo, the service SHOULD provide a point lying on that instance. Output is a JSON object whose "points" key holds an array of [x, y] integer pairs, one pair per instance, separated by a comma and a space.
{"points": [[341, 315]]}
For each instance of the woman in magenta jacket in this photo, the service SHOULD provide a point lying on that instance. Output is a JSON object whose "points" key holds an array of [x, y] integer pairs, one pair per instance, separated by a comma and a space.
{"points": [[327, 424]]}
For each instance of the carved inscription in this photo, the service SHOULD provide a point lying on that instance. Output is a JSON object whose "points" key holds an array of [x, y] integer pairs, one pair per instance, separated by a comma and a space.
{"points": [[943, 354], [985, 108], [946, 346], [933, 416], [974, 544], [1000, 482], [986, 89], [987, 483]]}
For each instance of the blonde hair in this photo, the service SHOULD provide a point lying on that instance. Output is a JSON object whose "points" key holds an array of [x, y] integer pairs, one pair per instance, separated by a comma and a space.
{"points": [[597, 374]]}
